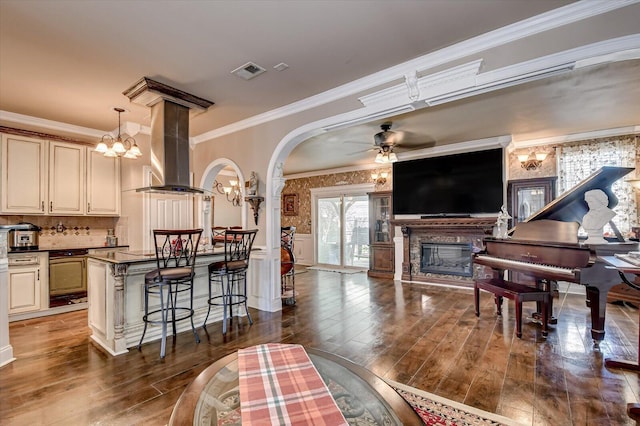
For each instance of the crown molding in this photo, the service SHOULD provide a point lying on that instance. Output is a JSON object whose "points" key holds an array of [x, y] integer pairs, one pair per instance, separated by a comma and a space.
{"points": [[49, 124], [597, 134]]}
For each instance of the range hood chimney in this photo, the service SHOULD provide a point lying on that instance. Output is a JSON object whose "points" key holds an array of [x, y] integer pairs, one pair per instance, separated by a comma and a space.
{"points": [[170, 110]]}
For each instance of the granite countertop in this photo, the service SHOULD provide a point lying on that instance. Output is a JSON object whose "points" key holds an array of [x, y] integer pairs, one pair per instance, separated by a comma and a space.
{"points": [[60, 248], [119, 255]]}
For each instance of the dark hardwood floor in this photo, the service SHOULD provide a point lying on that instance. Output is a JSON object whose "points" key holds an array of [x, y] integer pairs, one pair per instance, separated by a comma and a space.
{"points": [[425, 336]]}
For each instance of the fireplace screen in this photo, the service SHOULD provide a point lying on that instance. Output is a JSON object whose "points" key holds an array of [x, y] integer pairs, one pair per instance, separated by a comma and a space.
{"points": [[446, 258]]}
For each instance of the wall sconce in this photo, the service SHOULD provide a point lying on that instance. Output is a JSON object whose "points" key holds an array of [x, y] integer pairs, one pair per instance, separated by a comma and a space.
{"points": [[380, 178], [233, 192], [532, 161], [110, 147]]}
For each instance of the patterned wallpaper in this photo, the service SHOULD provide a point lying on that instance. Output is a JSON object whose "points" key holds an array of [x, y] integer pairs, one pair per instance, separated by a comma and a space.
{"points": [[302, 186]]}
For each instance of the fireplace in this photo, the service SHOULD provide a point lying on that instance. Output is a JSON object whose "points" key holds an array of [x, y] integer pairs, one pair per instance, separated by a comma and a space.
{"points": [[446, 258], [439, 250]]}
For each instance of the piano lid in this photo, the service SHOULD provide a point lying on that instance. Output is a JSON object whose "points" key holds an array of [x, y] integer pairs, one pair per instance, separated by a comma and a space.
{"points": [[571, 206]]}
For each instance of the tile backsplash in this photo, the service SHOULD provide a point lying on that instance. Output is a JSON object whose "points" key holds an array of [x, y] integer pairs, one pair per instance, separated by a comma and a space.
{"points": [[70, 231]]}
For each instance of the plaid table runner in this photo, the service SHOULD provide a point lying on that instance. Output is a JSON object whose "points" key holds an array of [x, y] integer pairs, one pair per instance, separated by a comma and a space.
{"points": [[279, 385]]}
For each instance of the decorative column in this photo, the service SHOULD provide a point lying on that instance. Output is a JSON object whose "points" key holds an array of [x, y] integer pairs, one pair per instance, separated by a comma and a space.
{"points": [[6, 350], [119, 271]]}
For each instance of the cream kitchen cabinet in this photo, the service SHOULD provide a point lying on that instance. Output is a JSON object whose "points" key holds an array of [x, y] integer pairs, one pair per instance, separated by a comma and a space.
{"points": [[28, 283], [24, 175], [103, 184], [41, 177], [66, 178]]}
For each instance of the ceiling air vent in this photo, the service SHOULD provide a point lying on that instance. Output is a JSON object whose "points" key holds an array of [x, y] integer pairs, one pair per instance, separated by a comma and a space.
{"points": [[248, 71]]}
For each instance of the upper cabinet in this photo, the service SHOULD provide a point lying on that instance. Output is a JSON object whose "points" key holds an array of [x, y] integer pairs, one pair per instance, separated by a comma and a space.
{"points": [[24, 175], [57, 178], [103, 184], [66, 178]]}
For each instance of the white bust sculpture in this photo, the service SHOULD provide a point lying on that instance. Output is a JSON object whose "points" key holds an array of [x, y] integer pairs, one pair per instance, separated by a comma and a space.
{"points": [[598, 215]]}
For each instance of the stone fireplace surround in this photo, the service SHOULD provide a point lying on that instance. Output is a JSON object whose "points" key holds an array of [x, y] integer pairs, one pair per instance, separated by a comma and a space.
{"points": [[470, 230]]}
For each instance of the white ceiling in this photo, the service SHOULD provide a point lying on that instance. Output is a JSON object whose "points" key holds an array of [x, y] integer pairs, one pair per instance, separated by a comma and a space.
{"points": [[70, 61]]}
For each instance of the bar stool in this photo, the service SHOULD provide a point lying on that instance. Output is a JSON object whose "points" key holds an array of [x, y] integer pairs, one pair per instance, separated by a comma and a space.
{"points": [[287, 265], [175, 259], [231, 275]]}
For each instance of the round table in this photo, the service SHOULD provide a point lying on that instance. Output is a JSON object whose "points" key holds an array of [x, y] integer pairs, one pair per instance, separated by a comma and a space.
{"points": [[213, 397]]}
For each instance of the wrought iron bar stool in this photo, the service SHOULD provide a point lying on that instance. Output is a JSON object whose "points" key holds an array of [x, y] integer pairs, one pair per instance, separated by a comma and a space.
{"points": [[175, 259], [287, 265], [231, 275]]}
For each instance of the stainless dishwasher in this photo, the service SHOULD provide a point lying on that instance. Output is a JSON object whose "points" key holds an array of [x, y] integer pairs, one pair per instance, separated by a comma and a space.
{"points": [[67, 276]]}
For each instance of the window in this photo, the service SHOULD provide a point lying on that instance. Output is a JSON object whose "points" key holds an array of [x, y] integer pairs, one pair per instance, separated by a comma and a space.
{"points": [[576, 161]]}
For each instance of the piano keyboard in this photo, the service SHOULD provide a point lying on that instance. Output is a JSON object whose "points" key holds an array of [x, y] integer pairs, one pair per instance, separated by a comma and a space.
{"points": [[516, 265]]}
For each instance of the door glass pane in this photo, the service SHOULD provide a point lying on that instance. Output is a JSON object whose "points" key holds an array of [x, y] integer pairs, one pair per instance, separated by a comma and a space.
{"points": [[530, 201], [356, 231], [329, 240]]}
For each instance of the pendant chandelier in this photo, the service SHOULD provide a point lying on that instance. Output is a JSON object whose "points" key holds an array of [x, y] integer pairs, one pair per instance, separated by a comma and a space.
{"points": [[111, 147]]}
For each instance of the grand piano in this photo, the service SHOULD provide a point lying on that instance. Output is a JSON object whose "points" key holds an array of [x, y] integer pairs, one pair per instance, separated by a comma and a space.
{"points": [[546, 247]]}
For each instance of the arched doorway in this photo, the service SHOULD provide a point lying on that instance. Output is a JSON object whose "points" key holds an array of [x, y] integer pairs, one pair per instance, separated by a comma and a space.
{"points": [[215, 209]]}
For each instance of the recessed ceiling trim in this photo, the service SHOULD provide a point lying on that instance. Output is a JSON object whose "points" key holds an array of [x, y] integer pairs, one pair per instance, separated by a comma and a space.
{"points": [[474, 145], [597, 134], [370, 117]]}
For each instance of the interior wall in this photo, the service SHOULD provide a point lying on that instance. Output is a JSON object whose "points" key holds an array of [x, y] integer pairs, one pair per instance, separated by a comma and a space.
{"points": [[302, 187], [224, 213]]}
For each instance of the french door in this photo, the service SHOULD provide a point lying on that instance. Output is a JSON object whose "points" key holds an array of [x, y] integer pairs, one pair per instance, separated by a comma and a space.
{"points": [[342, 231]]}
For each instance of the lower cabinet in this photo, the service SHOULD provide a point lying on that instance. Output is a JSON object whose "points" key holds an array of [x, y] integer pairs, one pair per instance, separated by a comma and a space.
{"points": [[28, 289], [382, 261]]}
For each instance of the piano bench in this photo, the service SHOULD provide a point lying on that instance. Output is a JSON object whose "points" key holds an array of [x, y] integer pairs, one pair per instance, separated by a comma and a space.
{"points": [[518, 293]]}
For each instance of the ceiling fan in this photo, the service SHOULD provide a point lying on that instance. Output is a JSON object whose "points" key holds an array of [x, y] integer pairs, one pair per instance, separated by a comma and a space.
{"points": [[385, 141]]}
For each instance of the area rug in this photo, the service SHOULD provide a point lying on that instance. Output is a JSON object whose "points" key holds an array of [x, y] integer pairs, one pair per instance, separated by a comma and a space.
{"points": [[339, 270], [436, 410]]}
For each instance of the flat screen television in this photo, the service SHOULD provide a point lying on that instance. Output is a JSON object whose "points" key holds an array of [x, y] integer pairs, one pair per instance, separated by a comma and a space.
{"points": [[451, 185]]}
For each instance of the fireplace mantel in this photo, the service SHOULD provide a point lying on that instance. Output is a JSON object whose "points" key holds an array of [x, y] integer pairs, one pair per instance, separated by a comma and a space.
{"points": [[484, 224], [470, 230]]}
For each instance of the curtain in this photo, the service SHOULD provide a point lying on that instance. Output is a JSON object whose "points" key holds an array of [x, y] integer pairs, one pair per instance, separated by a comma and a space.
{"points": [[577, 161]]}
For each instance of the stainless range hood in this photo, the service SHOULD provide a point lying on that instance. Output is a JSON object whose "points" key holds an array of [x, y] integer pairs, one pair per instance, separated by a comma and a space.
{"points": [[170, 110]]}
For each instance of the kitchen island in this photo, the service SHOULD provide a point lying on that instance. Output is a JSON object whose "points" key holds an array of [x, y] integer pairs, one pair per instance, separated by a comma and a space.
{"points": [[115, 284]]}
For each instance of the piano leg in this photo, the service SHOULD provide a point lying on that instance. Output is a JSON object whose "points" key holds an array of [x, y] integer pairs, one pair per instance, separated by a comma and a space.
{"points": [[598, 303], [548, 286], [498, 305]]}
